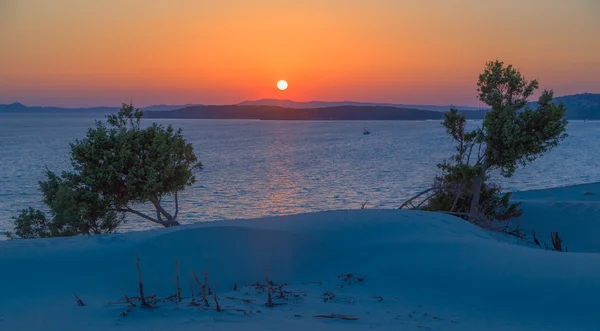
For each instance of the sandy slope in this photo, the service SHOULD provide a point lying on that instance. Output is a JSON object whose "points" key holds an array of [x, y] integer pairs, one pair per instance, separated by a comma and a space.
{"points": [[422, 271], [573, 211]]}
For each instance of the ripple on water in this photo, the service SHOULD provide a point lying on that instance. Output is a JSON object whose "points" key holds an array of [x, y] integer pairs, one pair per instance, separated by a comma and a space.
{"points": [[268, 168]]}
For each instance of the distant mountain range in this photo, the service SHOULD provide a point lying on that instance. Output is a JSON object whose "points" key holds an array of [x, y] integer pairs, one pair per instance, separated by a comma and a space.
{"points": [[258, 112], [168, 107], [579, 106], [323, 104], [21, 108]]}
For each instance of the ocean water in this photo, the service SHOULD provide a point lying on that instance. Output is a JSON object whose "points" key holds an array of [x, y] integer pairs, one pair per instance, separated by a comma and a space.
{"points": [[267, 168]]}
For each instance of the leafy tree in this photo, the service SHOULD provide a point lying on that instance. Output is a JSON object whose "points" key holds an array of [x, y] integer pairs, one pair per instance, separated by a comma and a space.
{"points": [[127, 164], [511, 135], [454, 187], [116, 165], [514, 135]]}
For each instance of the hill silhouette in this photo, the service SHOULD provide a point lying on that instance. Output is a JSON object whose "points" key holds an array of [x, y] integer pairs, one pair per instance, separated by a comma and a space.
{"points": [[579, 107], [323, 113], [323, 104], [18, 107]]}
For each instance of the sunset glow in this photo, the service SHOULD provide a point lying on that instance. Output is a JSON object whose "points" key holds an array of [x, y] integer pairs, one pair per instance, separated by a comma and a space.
{"points": [[84, 53]]}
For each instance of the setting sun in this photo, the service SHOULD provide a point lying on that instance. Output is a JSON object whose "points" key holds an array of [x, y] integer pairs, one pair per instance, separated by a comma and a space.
{"points": [[282, 85]]}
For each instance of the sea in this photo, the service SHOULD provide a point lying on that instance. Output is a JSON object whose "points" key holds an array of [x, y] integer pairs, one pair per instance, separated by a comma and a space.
{"points": [[267, 168]]}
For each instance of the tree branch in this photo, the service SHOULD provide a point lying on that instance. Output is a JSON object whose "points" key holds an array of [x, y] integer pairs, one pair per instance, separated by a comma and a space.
{"points": [[161, 222], [164, 212], [468, 161], [159, 208], [458, 194], [414, 197], [479, 156]]}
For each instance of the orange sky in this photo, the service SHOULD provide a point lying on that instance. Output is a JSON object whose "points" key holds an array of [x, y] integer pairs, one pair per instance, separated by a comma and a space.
{"points": [[85, 53]]}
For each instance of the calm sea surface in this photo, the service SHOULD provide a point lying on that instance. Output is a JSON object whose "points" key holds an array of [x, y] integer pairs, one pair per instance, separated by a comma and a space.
{"points": [[259, 168]]}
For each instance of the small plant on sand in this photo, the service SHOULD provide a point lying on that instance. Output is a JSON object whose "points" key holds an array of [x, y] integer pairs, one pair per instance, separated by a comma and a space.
{"points": [[511, 135], [555, 239], [557, 242], [268, 283]]}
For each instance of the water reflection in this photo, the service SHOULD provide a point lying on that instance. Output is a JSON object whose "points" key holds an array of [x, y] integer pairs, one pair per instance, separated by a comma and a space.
{"points": [[262, 168]]}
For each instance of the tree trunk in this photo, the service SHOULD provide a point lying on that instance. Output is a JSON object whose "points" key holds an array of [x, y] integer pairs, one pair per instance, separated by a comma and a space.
{"points": [[477, 183], [171, 221], [167, 223]]}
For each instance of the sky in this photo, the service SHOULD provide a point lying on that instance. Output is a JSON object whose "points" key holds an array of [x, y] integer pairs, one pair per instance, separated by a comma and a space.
{"points": [[79, 53]]}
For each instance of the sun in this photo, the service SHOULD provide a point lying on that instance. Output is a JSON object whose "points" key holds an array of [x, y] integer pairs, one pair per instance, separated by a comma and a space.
{"points": [[282, 85]]}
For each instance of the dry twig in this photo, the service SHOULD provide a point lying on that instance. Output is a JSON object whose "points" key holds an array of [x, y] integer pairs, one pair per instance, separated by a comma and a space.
{"points": [[192, 290], [203, 288], [141, 284], [127, 299], [556, 241], [338, 316], [177, 278], [216, 300], [269, 296], [80, 302]]}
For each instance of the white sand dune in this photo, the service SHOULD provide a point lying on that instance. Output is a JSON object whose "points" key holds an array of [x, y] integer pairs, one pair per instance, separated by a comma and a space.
{"points": [[422, 271], [573, 211]]}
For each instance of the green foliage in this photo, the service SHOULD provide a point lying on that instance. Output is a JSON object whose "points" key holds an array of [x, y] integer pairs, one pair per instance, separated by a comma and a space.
{"points": [[116, 164], [454, 191], [75, 210], [128, 164], [31, 223], [511, 135], [455, 187]]}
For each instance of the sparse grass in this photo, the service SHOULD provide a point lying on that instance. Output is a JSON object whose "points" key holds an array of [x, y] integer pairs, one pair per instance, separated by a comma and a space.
{"points": [[275, 293]]}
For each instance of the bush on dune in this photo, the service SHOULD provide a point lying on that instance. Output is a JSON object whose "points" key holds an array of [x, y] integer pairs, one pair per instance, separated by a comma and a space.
{"points": [[115, 167], [511, 135], [74, 209]]}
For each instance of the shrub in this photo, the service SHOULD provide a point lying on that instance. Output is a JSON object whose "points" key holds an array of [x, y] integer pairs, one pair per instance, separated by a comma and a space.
{"points": [[74, 210]]}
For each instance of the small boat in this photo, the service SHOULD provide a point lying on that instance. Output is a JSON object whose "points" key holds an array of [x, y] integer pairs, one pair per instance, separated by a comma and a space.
{"points": [[365, 131]]}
